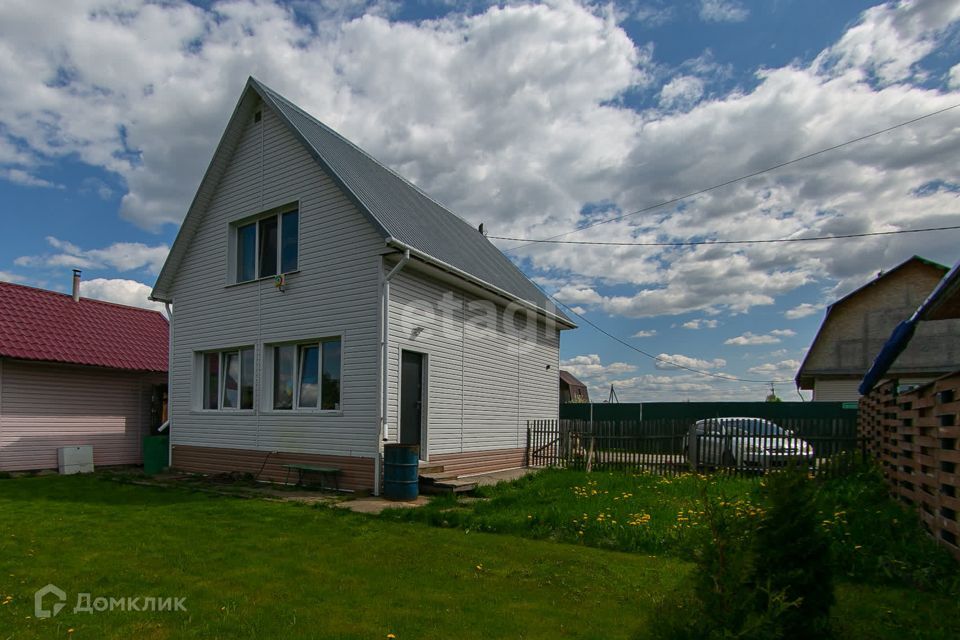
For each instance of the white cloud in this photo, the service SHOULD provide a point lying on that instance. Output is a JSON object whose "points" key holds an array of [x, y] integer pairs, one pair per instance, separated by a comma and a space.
{"points": [[953, 79], [681, 91], [748, 339], [783, 370], [802, 310], [25, 179], [722, 11], [590, 366], [9, 276], [122, 256], [514, 117], [667, 361], [783, 333], [577, 295], [129, 292], [892, 38], [645, 333], [700, 323], [467, 106]]}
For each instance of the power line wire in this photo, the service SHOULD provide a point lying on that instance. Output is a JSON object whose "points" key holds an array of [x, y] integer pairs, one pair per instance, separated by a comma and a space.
{"points": [[721, 376], [703, 242], [743, 177]]}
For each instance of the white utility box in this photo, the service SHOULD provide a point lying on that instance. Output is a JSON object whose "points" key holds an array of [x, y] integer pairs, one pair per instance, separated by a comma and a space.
{"points": [[77, 459]]}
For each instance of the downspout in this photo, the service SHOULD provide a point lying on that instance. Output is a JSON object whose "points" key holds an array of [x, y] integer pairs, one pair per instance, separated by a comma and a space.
{"points": [[384, 340], [166, 425]]}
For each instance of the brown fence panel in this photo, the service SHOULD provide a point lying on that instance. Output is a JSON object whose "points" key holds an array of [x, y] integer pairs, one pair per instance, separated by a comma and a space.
{"points": [[742, 446], [914, 435]]}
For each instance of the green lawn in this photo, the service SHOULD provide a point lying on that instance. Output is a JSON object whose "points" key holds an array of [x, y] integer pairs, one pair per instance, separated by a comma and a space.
{"points": [[251, 568], [873, 539]]}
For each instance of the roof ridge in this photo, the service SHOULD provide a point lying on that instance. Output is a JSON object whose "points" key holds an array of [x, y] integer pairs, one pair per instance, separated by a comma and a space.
{"points": [[277, 96], [51, 292]]}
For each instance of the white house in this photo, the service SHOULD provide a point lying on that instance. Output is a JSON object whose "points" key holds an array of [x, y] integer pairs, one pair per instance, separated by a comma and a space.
{"points": [[323, 305]]}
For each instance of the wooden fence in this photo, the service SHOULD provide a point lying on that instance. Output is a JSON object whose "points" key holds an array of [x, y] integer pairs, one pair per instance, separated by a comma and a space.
{"points": [[669, 446], [914, 435]]}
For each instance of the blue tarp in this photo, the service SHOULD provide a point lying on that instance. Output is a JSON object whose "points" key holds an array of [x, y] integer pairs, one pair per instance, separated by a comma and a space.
{"points": [[894, 346], [900, 337]]}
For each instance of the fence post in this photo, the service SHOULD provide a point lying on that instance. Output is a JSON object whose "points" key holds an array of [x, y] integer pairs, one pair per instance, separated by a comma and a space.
{"points": [[590, 453], [526, 455]]}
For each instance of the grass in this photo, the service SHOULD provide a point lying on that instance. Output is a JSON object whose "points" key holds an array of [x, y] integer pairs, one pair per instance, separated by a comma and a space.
{"points": [[252, 568], [872, 538], [641, 513]]}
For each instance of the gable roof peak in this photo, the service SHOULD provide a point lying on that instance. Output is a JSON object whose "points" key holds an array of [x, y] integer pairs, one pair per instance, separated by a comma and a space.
{"points": [[404, 215]]}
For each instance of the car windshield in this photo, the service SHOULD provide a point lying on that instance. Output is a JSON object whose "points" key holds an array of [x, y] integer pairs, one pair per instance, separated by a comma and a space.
{"points": [[755, 428]]}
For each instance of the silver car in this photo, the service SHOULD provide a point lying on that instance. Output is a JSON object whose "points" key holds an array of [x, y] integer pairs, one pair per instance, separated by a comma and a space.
{"points": [[744, 443]]}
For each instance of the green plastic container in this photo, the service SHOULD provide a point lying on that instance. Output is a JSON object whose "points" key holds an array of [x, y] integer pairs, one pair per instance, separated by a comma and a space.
{"points": [[156, 454]]}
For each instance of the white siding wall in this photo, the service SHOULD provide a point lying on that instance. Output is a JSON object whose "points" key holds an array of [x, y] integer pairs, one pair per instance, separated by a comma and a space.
{"points": [[48, 406], [335, 292], [485, 378], [836, 390]]}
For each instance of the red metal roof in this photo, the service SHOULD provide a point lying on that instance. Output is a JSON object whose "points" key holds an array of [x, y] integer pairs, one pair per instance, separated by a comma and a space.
{"points": [[36, 324]]}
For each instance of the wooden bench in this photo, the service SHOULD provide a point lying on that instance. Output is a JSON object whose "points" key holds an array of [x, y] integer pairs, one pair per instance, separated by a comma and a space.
{"points": [[325, 472]]}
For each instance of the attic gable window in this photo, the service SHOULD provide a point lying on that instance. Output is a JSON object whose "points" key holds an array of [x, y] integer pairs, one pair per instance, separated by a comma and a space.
{"points": [[267, 246]]}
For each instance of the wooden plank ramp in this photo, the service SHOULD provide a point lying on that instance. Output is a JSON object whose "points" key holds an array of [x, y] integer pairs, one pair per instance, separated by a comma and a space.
{"points": [[434, 480]]}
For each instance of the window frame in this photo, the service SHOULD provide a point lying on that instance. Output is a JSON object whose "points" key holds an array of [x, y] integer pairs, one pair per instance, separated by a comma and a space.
{"points": [[268, 388], [201, 389], [277, 213]]}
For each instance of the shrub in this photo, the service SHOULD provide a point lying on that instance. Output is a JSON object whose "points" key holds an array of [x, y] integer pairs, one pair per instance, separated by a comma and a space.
{"points": [[792, 554], [725, 602]]}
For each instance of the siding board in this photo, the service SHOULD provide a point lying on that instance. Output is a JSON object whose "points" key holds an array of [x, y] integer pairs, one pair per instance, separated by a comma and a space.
{"points": [[48, 406], [485, 377], [335, 291]]}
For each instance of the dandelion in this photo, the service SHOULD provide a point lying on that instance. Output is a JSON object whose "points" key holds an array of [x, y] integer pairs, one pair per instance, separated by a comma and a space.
{"points": [[391, 636]]}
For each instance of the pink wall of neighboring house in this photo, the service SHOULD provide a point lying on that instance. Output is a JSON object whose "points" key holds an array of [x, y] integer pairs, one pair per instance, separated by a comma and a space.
{"points": [[44, 406]]}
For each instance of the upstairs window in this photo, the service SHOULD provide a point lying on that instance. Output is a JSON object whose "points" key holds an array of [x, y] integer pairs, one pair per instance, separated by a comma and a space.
{"points": [[228, 379], [267, 246]]}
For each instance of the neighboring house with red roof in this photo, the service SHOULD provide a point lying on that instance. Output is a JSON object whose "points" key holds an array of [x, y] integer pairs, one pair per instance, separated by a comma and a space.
{"points": [[75, 371], [571, 389]]}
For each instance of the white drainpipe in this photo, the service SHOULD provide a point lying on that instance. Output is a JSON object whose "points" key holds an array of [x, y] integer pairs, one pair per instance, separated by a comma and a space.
{"points": [[384, 340]]}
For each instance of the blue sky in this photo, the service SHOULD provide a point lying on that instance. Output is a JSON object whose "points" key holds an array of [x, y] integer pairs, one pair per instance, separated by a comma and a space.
{"points": [[534, 119]]}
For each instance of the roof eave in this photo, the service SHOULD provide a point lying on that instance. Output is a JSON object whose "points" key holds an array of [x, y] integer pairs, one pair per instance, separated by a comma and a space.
{"points": [[393, 242], [161, 288]]}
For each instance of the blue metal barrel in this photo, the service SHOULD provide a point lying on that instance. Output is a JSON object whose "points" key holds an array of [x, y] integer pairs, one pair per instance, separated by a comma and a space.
{"points": [[401, 470]]}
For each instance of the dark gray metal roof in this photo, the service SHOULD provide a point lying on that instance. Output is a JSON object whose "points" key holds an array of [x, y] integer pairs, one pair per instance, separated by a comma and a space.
{"points": [[401, 211]]}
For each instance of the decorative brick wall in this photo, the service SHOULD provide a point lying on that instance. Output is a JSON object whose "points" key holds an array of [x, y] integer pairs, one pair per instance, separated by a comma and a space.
{"points": [[916, 438]]}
